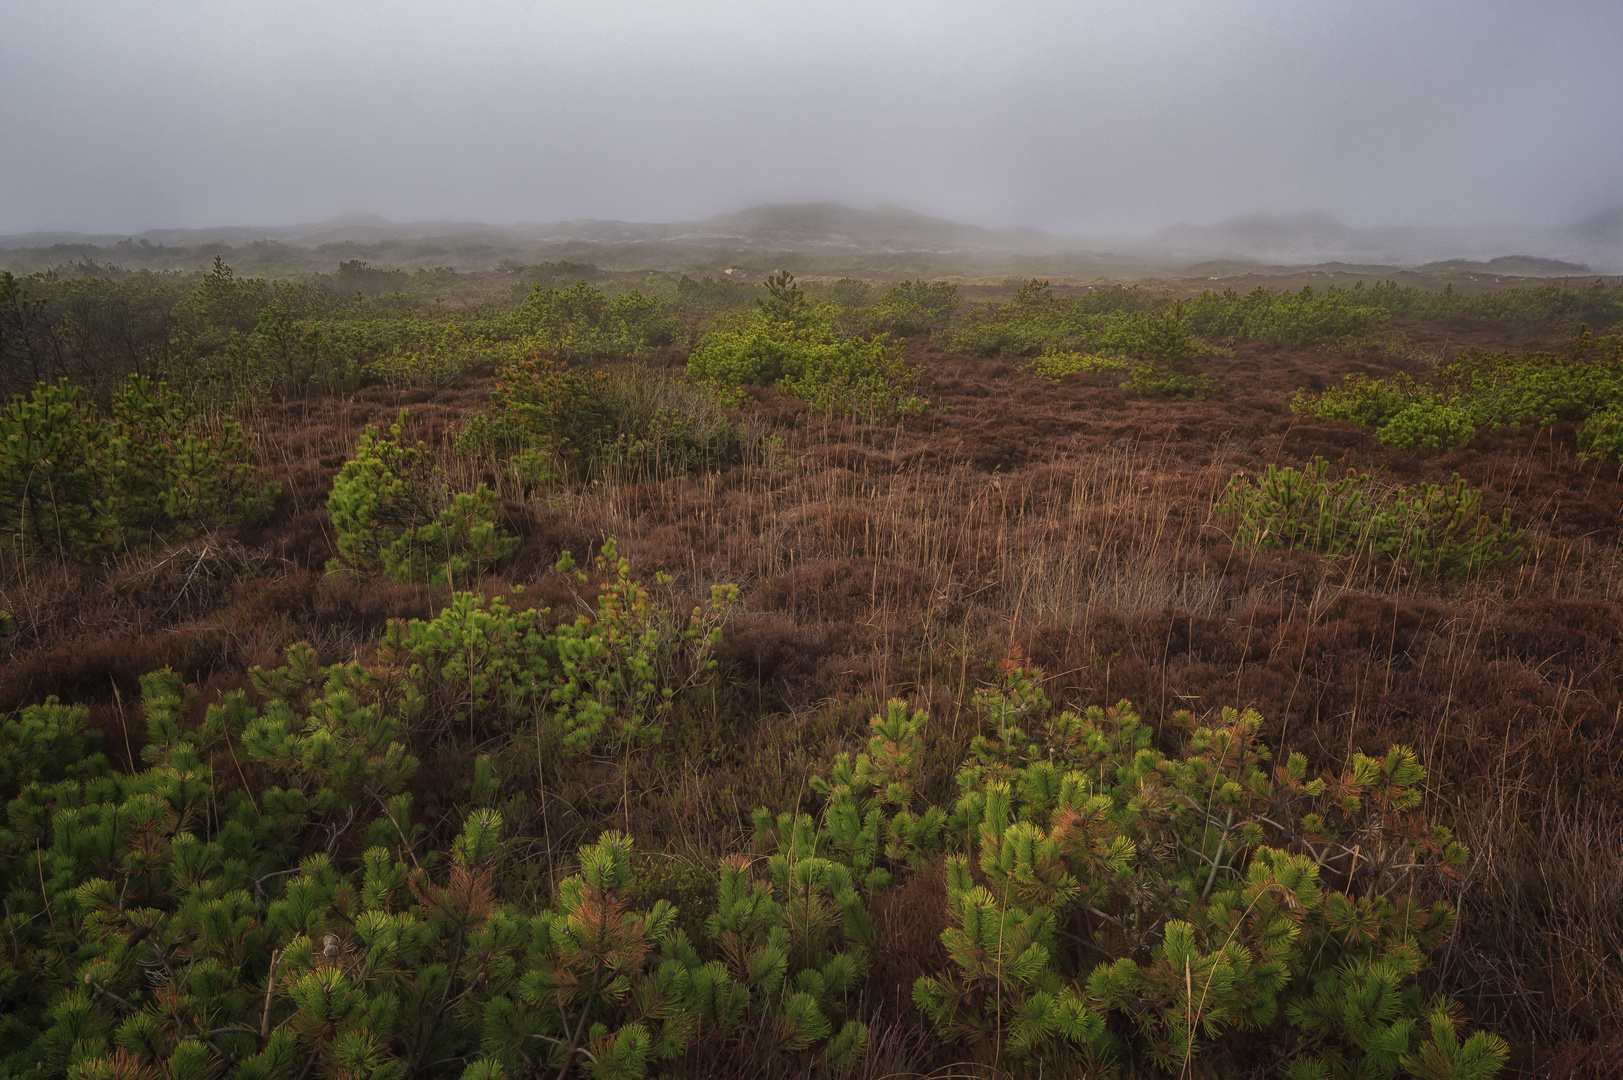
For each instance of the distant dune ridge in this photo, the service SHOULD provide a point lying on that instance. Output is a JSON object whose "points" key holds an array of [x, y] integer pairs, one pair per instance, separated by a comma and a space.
{"points": [[833, 231]]}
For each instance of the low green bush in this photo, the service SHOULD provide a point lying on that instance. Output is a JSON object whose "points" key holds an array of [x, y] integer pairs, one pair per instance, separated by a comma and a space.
{"points": [[1428, 423], [1299, 319], [1108, 901], [553, 423], [1438, 528], [802, 358], [1478, 390], [583, 323], [394, 514], [914, 307], [1170, 381], [1130, 322], [1056, 365], [608, 676], [151, 469], [1602, 436]]}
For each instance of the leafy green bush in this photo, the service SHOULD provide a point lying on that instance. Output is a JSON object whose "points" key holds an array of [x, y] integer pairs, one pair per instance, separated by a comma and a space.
{"points": [[1360, 399], [75, 480], [1440, 529], [434, 362], [394, 514], [1130, 322], [914, 307], [485, 665], [1155, 910], [1597, 304], [1133, 904], [1169, 381]]}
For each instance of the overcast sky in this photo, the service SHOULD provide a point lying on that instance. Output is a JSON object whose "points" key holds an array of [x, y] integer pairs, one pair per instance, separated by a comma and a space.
{"points": [[1071, 115]]}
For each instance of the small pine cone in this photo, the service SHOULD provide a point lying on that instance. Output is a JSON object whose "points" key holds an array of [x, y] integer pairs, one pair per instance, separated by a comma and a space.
{"points": [[329, 945]]}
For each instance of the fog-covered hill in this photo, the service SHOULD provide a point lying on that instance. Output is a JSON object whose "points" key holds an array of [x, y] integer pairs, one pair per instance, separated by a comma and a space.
{"points": [[831, 234]]}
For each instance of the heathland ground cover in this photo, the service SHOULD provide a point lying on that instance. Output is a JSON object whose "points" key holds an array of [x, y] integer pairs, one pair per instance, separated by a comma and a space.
{"points": [[685, 677]]}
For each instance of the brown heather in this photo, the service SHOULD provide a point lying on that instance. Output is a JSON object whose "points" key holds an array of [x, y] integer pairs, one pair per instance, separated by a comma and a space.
{"points": [[1068, 521]]}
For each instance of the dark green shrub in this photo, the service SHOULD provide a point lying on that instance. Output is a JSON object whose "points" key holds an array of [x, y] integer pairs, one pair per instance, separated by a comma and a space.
{"points": [[1476, 390], [914, 307], [583, 323], [75, 480], [552, 422], [1160, 909], [1360, 399], [1167, 381], [395, 515], [1298, 319]]}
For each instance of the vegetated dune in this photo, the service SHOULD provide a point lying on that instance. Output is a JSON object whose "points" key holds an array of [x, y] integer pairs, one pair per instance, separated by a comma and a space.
{"points": [[1067, 522]]}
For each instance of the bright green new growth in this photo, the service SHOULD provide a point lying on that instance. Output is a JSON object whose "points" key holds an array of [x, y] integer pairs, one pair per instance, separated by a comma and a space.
{"points": [[1440, 529], [1602, 435], [1056, 365], [394, 515], [73, 479]]}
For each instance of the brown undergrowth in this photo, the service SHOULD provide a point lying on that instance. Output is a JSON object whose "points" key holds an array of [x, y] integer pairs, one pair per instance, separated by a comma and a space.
{"points": [[1069, 521]]}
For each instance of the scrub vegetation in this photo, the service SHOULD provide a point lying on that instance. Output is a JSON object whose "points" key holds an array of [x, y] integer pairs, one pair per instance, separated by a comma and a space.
{"points": [[619, 675]]}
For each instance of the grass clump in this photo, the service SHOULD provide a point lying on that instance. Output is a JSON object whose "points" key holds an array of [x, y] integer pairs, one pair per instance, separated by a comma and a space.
{"points": [[1437, 528]]}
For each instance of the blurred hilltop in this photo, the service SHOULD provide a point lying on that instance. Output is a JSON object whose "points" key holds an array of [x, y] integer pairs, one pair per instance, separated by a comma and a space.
{"points": [[828, 237]]}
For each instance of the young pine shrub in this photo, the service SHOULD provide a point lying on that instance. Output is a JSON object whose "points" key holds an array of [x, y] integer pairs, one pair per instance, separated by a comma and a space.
{"points": [[1440, 529], [606, 678], [1172, 912], [1055, 366], [551, 423], [914, 307], [74, 480], [395, 515], [1601, 437]]}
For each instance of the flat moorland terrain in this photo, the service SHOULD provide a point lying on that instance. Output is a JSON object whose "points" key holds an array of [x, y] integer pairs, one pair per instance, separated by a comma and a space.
{"points": [[1001, 553]]}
